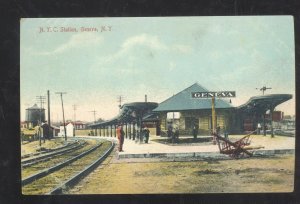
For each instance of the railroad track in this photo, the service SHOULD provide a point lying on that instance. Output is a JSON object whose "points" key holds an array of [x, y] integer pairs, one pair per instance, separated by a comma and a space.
{"points": [[34, 170], [56, 179], [46, 151], [47, 156]]}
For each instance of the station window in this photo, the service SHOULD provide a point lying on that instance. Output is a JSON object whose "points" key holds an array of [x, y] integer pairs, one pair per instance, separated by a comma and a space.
{"points": [[190, 122], [173, 115]]}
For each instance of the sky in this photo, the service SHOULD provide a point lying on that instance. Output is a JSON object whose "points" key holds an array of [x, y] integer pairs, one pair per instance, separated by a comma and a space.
{"points": [[157, 56]]}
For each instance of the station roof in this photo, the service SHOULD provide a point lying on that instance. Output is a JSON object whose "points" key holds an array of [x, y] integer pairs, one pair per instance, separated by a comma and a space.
{"points": [[264, 103], [129, 112], [184, 101]]}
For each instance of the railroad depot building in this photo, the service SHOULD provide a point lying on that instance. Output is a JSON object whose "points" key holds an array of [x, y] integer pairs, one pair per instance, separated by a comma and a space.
{"points": [[185, 112]]}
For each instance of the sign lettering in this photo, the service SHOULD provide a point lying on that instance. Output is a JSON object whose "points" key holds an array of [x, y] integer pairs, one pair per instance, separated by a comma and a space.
{"points": [[220, 94]]}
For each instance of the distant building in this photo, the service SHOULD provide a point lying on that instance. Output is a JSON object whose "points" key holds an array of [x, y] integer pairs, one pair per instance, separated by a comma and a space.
{"points": [[69, 130], [24, 124], [79, 125]]}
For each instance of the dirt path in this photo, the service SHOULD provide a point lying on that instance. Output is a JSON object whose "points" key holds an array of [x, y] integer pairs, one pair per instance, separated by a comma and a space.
{"points": [[273, 174]]}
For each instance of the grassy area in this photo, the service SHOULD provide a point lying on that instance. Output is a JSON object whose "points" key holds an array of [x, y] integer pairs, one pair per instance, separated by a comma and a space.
{"points": [[32, 147], [273, 174], [82, 132]]}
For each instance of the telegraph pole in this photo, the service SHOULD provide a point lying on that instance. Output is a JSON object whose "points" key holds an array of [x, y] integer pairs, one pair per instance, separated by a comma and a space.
{"points": [[41, 100], [120, 99], [94, 114], [94, 120], [74, 108], [27, 115], [62, 105], [49, 123]]}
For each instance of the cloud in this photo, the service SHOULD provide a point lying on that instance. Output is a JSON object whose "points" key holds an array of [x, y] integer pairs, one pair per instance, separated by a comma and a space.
{"points": [[172, 66], [182, 48], [152, 42], [76, 41]]}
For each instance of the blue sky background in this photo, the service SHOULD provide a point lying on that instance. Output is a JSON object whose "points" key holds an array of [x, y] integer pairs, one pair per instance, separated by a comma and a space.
{"points": [[154, 56]]}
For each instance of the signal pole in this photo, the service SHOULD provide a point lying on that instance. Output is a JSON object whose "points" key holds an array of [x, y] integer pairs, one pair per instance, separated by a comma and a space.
{"points": [[263, 89], [62, 105]]}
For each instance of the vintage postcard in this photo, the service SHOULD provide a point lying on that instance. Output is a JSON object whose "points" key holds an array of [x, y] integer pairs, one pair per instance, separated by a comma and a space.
{"points": [[157, 105]]}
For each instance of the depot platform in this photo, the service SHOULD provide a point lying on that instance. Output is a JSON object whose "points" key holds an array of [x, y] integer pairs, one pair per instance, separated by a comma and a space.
{"points": [[155, 149]]}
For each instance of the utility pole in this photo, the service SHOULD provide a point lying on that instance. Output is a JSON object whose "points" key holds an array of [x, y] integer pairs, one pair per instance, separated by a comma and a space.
{"points": [[49, 123], [94, 114], [27, 115], [41, 100], [74, 108], [62, 105], [263, 89], [94, 120], [120, 99]]}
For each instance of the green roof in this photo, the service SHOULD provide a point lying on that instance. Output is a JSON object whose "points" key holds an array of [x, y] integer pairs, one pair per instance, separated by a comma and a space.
{"points": [[264, 102], [184, 101]]}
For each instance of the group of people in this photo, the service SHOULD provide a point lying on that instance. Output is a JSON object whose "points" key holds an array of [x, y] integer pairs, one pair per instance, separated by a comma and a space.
{"points": [[121, 134], [145, 134], [173, 133]]}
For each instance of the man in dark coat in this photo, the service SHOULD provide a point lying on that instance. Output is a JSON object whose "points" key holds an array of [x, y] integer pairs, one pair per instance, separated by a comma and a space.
{"points": [[146, 133], [195, 132], [120, 134]]}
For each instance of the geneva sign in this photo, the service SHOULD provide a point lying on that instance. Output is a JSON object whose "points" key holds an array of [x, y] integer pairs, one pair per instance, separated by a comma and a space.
{"points": [[220, 94]]}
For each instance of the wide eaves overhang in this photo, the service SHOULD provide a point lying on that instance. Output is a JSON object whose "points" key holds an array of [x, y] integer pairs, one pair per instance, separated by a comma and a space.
{"points": [[264, 103], [129, 112]]}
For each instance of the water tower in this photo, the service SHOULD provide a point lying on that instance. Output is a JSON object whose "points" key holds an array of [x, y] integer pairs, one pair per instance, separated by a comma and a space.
{"points": [[34, 114]]}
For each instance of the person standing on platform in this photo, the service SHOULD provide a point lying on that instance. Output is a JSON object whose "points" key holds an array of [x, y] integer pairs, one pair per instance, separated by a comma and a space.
{"points": [[146, 133], [120, 134], [218, 130], [176, 133], [170, 132], [195, 132], [258, 128]]}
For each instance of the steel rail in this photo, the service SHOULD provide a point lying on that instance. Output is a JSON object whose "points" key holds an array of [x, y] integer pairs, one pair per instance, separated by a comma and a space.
{"points": [[35, 160], [48, 150], [75, 179], [47, 171]]}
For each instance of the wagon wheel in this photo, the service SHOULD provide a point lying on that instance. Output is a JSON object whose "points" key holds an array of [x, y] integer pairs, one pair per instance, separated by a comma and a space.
{"points": [[238, 153]]}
